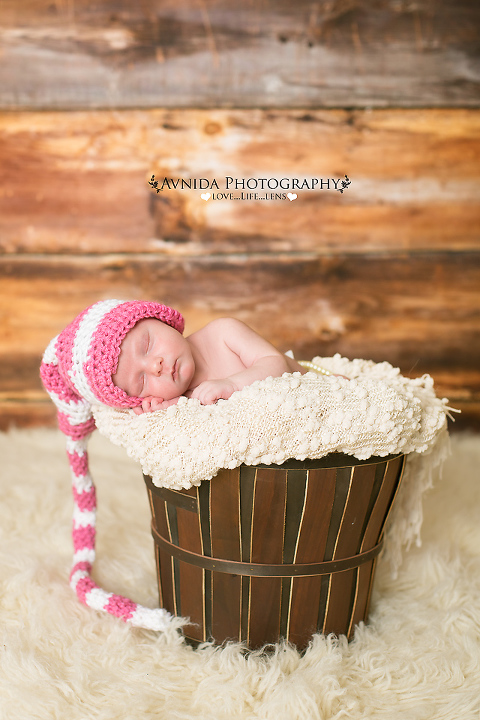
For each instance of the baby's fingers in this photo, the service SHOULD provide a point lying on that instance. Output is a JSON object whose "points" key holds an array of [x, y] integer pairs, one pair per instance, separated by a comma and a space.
{"points": [[167, 403], [149, 404]]}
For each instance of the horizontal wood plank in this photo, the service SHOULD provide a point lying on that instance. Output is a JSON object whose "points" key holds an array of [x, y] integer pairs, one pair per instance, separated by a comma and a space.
{"points": [[420, 313], [77, 182], [26, 414], [221, 53]]}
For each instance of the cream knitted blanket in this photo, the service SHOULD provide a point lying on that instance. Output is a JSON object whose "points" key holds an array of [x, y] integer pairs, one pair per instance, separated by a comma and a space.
{"points": [[376, 411]]}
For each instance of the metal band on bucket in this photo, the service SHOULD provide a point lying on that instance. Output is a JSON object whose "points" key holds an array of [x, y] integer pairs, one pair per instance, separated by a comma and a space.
{"points": [[261, 570]]}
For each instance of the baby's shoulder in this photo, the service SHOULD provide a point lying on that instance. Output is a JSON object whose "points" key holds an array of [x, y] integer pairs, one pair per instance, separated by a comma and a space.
{"points": [[224, 331], [223, 325]]}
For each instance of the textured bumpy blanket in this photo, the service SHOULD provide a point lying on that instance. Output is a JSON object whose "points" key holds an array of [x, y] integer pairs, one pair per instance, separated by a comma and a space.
{"points": [[376, 411]]}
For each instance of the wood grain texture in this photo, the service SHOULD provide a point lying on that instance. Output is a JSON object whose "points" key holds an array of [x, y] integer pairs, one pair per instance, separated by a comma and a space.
{"points": [[388, 270], [419, 312], [77, 182], [222, 53]]}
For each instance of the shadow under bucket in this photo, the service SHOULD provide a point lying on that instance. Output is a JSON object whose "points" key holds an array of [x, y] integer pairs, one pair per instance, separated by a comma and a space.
{"points": [[265, 552]]}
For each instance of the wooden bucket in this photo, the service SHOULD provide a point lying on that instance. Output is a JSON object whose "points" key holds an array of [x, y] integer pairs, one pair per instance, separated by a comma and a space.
{"points": [[266, 552]]}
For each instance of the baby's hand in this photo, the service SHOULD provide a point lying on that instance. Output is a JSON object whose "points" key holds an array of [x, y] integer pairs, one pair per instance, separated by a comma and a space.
{"points": [[209, 391], [150, 404]]}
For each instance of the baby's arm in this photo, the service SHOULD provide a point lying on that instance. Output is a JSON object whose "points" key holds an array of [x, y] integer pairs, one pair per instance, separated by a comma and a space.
{"points": [[259, 357]]}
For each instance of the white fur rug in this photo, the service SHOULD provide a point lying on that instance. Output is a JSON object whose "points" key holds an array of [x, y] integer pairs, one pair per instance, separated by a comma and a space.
{"points": [[418, 659]]}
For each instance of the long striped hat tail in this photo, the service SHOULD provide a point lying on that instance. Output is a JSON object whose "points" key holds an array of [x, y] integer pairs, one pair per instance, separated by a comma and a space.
{"points": [[76, 371]]}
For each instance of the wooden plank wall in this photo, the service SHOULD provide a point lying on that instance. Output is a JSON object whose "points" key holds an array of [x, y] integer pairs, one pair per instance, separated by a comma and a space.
{"points": [[77, 54], [389, 269]]}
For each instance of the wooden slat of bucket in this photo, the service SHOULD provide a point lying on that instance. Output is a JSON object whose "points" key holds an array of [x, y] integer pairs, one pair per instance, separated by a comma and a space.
{"points": [[343, 479], [343, 585], [159, 514], [247, 490], [305, 594], [268, 519], [398, 467], [362, 590], [314, 529], [350, 536], [364, 573], [294, 514], [226, 540], [163, 560], [373, 530], [191, 578]]}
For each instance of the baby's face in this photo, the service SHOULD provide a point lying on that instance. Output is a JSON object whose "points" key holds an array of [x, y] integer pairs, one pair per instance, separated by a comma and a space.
{"points": [[155, 360]]}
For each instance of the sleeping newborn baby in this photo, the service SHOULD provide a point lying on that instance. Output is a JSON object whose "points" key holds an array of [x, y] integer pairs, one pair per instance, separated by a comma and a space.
{"points": [[157, 363]]}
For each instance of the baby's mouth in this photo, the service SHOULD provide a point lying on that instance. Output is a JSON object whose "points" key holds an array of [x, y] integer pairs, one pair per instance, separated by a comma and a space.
{"points": [[174, 371]]}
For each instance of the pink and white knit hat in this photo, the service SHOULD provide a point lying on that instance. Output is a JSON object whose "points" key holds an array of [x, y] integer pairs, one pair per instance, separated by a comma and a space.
{"points": [[76, 371]]}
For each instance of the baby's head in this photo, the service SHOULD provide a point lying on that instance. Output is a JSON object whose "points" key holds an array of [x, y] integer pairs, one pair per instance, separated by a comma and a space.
{"points": [[155, 362], [79, 363]]}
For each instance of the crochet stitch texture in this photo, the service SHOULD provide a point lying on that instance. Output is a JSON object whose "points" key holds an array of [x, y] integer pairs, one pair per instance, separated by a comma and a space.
{"points": [[376, 412], [76, 371]]}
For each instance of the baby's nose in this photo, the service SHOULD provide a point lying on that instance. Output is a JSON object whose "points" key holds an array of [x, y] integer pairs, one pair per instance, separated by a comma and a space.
{"points": [[155, 365]]}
